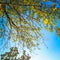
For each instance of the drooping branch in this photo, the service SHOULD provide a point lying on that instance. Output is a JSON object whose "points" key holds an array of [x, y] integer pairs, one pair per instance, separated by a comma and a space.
{"points": [[9, 19]]}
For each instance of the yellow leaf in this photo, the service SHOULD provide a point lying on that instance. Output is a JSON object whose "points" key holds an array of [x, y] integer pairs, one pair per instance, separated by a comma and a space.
{"points": [[45, 21]]}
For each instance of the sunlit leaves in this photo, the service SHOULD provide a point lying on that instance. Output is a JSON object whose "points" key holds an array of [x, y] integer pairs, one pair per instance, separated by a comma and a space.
{"points": [[25, 19], [45, 21]]}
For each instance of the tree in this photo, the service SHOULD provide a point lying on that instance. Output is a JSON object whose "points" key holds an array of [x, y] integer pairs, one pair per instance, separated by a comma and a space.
{"points": [[24, 56], [12, 55], [27, 17]]}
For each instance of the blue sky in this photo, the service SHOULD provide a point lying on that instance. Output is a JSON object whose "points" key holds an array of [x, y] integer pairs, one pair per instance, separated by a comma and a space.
{"points": [[53, 50]]}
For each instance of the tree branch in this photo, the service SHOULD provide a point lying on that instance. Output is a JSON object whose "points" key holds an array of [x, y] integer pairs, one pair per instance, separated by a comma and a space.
{"points": [[9, 19]]}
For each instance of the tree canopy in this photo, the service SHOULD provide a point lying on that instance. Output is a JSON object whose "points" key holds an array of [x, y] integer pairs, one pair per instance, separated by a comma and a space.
{"points": [[26, 17]]}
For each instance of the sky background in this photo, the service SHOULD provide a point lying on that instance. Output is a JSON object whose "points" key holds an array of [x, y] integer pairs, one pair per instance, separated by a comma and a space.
{"points": [[52, 42], [53, 50]]}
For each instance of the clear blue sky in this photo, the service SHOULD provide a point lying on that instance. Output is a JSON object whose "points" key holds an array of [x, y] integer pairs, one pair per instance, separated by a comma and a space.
{"points": [[53, 50]]}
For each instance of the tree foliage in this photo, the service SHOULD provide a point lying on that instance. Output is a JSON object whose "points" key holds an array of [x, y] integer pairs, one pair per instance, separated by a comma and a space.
{"points": [[12, 55], [26, 17]]}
